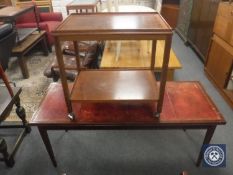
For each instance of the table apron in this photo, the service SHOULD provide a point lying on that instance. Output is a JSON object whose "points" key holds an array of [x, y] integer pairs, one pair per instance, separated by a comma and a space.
{"points": [[124, 127]]}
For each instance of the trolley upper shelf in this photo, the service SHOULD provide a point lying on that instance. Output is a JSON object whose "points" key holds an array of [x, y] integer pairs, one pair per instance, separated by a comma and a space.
{"points": [[114, 26]]}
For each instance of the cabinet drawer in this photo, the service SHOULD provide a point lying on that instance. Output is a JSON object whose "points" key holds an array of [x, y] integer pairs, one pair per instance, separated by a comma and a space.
{"points": [[223, 26]]}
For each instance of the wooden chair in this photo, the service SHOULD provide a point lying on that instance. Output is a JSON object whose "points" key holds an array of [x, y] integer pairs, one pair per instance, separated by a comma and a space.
{"points": [[8, 98]]}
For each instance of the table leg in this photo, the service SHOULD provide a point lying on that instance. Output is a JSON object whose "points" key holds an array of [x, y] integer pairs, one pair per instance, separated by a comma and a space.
{"points": [[208, 136], [23, 66], [118, 50], [44, 46], [45, 138], [170, 74]]}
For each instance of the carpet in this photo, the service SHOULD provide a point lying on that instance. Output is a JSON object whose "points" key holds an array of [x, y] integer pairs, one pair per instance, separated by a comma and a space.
{"points": [[33, 88]]}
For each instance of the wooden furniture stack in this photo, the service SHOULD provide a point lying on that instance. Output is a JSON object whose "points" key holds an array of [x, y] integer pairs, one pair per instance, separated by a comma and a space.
{"points": [[127, 86], [219, 64], [122, 98]]}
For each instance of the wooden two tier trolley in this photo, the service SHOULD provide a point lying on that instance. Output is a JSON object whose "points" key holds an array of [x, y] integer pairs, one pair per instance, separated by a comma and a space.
{"points": [[125, 86]]}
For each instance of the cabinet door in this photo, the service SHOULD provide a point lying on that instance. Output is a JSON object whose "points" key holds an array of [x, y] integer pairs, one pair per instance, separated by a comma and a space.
{"points": [[219, 61]]}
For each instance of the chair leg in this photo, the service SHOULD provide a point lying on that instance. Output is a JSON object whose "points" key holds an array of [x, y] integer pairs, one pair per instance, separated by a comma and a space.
{"points": [[20, 111], [3, 150]]}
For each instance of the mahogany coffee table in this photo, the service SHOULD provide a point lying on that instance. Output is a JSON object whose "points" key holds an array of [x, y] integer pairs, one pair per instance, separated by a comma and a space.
{"points": [[186, 106]]}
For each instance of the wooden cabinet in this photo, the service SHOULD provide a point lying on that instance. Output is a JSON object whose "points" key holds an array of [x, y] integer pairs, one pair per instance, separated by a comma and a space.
{"points": [[183, 22], [219, 63], [201, 25], [170, 11]]}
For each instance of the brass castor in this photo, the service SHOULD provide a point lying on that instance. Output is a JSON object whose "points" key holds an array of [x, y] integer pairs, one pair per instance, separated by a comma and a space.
{"points": [[71, 116]]}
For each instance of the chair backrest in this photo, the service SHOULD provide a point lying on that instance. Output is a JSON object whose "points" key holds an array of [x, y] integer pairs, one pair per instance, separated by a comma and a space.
{"points": [[7, 41]]}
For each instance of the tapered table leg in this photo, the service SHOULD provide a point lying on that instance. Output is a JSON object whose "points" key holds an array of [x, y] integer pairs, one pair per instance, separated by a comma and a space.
{"points": [[45, 138], [208, 136]]}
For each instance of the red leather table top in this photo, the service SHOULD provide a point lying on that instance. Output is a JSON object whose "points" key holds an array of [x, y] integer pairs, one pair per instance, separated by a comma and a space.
{"points": [[185, 103]]}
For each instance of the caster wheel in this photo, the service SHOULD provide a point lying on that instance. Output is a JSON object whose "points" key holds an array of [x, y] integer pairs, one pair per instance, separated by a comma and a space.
{"points": [[71, 116], [156, 115]]}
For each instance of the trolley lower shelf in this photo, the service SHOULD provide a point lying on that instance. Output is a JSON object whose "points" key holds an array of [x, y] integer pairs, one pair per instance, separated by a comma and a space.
{"points": [[115, 86]]}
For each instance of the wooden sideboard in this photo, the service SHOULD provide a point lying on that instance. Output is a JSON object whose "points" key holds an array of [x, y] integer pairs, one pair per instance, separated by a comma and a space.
{"points": [[219, 64]]}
